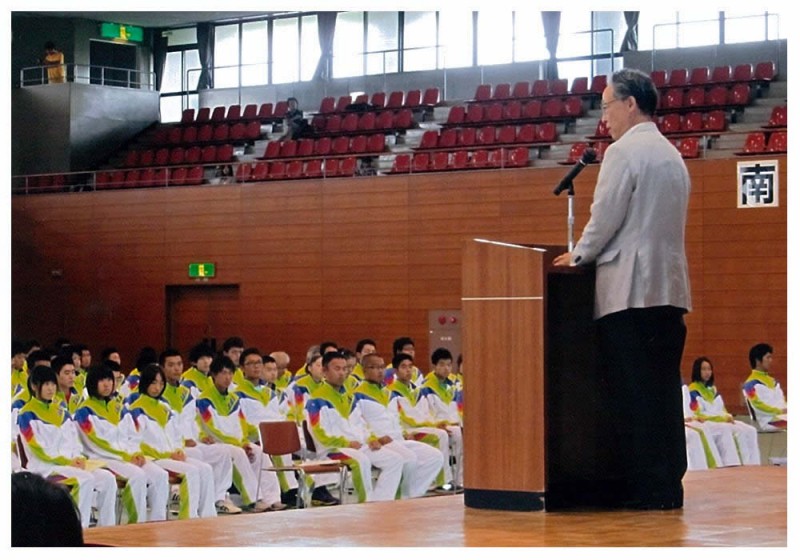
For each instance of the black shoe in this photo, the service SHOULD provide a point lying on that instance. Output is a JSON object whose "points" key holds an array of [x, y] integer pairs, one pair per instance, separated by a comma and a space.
{"points": [[321, 497], [289, 498]]}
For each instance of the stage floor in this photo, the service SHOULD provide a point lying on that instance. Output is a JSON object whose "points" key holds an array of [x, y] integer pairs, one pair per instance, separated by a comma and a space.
{"points": [[740, 506]]}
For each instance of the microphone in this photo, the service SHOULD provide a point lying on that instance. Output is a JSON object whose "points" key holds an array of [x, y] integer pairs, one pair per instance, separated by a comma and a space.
{"points": [[588, 157]]}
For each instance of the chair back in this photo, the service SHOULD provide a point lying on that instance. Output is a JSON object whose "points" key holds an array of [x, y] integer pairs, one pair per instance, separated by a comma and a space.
{"points": [[312, 448], [279, 438], [23, 457]]}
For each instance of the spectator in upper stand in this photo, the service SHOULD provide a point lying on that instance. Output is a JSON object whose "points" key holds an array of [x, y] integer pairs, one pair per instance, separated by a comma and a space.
{"points": [[764, 393], [295, 124], [54, 60]]}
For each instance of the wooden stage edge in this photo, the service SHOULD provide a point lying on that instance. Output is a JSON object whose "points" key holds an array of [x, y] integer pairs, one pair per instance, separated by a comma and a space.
{"points": [[732, 507]]}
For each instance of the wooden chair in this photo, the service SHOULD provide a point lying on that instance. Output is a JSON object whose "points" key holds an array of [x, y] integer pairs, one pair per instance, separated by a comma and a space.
{"points": [[281, 438]]}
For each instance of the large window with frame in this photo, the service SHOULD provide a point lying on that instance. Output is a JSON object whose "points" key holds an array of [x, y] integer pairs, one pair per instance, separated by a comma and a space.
{"points": [[309, 46], [348, 45], [382, 42], [419, 41], [286, 45], [226, 56], [181, 73], [456, 38], [255, 53], [495, 37]]}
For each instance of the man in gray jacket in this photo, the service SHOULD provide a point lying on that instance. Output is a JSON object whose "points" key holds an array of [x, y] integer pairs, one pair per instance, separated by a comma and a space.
{"points": [[635, 236]]}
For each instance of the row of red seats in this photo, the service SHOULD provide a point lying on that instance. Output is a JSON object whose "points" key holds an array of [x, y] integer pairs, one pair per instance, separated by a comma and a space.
{"points": [[356, 123], [178, 155], [149, 177], [765, 143], [412, 99], [540, 88], [296, 169], [695, 98], [551, 109], [689, 148], [460, 159], [674, 123], [527, 134], [234, 113], [778, 118], [701, 76], [207, 133], [325, 145]]}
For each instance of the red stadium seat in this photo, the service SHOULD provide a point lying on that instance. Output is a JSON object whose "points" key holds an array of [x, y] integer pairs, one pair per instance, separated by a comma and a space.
{"points": [[721, 74], [260, 171], [395, 100], [305, 147], [194, 176], [558, 87], [552, 108], [420, 162], [366, 121], [174, 135], [778, 117], [333, 124], [250, 112], [313, 168], [580, 86], [203, 115], [131, 158], [160, 177], [343, 102], [252, 130], [160, 136], [689, 147], [189, 135], [384, 120], [466, 137], [413, 97], [277, 170], [479, 159], [717, 96], [600, 150], [340, 145], [573, 107], [327, 105], [460, 160], [234, 113], [765, 71], [576, 152], [493, 112], [599, 83], [532, 109], [295, 169], [695, 97], [483, 92], [698, 76], [440, 161], [146, 158], [521, 90], [456, 115], [221, 132], [692, 122], [601, 131], [777, 141], [671, 123], [193, 155], [678, 77], [673, 98], [187, 116], [487, 135], [430, 139], [502, 91], [347, 167], [177, 176], [474, 114], [205, 133], [540, 88], [218, 114], [358, 144], [208, 154], [280, 109], [225, 152], [403, 119], [506, 134], [237, 131], [350, 122], [448, 138], [272, 150], [361, 99], [546, 132], [496, 158], [755, 143], [376, 143], [715, 121], [431, 96], [244, 171], [512, 110], [742, 73], [322, 146], [659, 78], [739, 94], [526, 134], [133, 178], [517, 157], [402, 163], [162, 156], [265, 111], [378, 99], [147, 178], [288, 149]]}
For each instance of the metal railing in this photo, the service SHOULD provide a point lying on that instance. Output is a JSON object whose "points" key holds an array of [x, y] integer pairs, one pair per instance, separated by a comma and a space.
{"points": [[87, 74]]}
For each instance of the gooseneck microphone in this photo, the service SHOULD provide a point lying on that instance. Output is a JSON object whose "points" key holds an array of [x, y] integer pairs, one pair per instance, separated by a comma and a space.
{"points": [[589, 155]]}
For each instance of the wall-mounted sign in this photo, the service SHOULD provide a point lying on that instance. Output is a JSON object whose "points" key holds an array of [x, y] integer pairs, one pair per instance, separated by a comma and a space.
{"points": [[120, 31], [758, 184], [202, 270]]}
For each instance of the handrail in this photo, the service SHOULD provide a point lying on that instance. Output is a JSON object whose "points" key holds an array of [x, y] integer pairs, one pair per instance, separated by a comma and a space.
{"points": [[88, 74]]}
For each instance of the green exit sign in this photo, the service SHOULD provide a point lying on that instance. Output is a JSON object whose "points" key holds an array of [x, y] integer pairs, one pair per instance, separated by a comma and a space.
{"points": [[119, 31], [202, 270]]}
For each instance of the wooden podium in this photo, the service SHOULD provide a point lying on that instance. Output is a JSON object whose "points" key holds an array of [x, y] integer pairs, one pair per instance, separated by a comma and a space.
{"points": [[536, 427]]}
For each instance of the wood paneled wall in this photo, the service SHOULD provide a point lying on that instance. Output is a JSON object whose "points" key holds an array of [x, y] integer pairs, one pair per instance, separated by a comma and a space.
{"points": [[344, 259]]}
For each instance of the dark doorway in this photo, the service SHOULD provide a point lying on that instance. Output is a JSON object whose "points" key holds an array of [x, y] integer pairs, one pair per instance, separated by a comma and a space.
{"points": [[113, 64], [201, 314]]}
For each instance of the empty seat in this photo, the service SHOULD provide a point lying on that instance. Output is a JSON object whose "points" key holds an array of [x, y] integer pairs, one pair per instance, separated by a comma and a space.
{"points": [[765, 71], [456, 115], [146, 158], [517, 157], [189, 135], [721, 74], [361, 99], [739, 94], [174, 135], [448, 138], [460, 159], [483, 92], [715, 121], [474, 114], [280, 109], [526, 134], [493, 112], [305, 147], [552, 108], [358, 144], [272, 150], [395, 100], [659, 78], [318, 123], [244, 171], [160, 177], [187, 116], [348, 166], [420, 162], [366, 121], [194, 176], [333, 124], [101, 180], [502, 91], [218, 115], [237, 131], [413, 98], [330, 167], [777, 141], [558, 87], [601, 131], [576, 152], [376, 143], [147, 178], [313, 168], [546, 132], [265, 111], [440, 161], [573, 107], [689, 147], [131, 158], [162, 156], [695, 97], [717, 96], [431, 96], [221, 132], [277, 170], [540, 88], [193, 155], [289, 148], [580, 86], [506, 134], [159, 136], [778, 117], [205, 133], [350, 122], [250, 111], [340, 145], [177, 176], [673, 98], [496, 158], [403, 119], [479, 159], [487, 135], [384, 120], [742, 73], [208, 154], [698, 76], [327, 105], [671, 123], [402, 163], [755, 143], [343, 102], [378, 99], [260, 171], [234, 113], [430, 139], [521, 89], [252, 130], [322, 146], [466, 137], [678, 77], [532, 109], [225, 152], [295, 169], [692, 122], [203, 115], [600, 150], [132, 178], [599, 83], [512, 110]]}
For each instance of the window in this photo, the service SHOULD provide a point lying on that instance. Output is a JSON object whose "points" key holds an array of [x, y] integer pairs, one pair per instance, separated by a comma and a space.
{"points": [[226, 56], [495, 37], [255, 53], [382, 38], [456, 38], [285, 43], [529, 42], [178, 37], [309, 47], [419, 41], [742, 26], [574, 38], [348, 45]]}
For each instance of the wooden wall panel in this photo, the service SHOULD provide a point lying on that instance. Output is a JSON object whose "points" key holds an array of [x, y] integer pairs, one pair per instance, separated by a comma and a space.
{"points": [[344, 259]]}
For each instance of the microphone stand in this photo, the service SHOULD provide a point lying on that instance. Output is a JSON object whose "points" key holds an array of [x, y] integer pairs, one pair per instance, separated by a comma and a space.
{"points": [[570, 217]]}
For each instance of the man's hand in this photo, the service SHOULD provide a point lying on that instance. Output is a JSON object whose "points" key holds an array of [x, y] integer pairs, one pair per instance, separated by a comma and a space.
{"points": [[354, 445], [375, 445], [208, 440], [189, 443], [384, 440], [178, 455], [563, 260]]}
